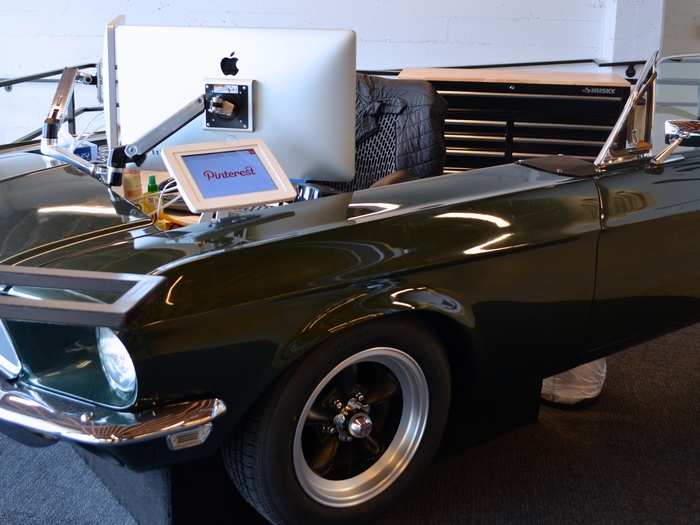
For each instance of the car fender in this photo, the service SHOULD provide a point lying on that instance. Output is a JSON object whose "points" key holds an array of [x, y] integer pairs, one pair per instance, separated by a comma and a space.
{"points": [[381, 300]]}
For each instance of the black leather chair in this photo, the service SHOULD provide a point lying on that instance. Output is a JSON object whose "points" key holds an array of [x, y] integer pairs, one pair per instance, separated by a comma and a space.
{"points": [[399, 133]]}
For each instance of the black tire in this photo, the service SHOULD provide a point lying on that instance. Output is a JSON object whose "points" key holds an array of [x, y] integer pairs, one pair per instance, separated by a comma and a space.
{"points": [[259, 456]]}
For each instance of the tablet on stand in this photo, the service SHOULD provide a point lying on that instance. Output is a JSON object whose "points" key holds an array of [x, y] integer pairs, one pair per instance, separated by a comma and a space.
{"points": [[215, 178]]}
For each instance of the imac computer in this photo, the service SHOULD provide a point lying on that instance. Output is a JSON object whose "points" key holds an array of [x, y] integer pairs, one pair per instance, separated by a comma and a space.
{"points": [[293, 89]]}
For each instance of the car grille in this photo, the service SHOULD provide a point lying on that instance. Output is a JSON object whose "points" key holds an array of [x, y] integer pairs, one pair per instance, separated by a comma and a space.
{"points": [[9, 362]]}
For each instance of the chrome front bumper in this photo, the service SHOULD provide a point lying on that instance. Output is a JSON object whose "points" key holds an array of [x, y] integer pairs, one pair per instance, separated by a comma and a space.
{"points": [[57, 417]]}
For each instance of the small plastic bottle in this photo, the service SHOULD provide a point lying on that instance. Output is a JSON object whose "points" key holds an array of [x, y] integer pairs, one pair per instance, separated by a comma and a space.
{"points": [[131, 184], [149, 201]]}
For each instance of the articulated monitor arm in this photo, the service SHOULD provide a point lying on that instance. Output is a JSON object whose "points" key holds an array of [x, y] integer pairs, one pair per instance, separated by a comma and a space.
{"points": [[111, 173], [136, 152]]}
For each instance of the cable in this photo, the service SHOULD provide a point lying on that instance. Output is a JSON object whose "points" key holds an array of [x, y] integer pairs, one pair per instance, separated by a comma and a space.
{"points": [[74, 141], [168, 186], [86, 129], [172, 201]]}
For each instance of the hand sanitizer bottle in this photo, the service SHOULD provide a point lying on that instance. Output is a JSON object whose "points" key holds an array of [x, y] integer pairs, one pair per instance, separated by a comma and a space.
{"points": [[149, 201]]}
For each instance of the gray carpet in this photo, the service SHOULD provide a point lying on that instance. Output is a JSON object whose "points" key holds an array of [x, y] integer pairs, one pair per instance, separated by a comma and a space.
{"points": [[53, 485], [634, 457]]}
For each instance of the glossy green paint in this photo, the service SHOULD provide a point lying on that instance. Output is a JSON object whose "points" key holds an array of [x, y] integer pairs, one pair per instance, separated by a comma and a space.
{"points": [[649, 255], [507, 254], [44, 205]]}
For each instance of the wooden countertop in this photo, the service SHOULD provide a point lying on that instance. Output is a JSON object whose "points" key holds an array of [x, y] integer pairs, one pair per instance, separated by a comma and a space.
{"points": [[515, 76]]}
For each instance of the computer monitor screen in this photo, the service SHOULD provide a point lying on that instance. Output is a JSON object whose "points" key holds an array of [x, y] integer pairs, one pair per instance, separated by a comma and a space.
{"points": [[227, 174], [302, 84]]}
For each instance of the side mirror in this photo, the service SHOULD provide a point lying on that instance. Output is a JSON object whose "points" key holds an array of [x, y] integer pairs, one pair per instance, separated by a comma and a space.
{"points": [[678, 133], [687, 132]]}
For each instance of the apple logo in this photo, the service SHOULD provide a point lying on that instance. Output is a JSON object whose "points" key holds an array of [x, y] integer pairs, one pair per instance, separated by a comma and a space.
{"points": [[229, 65]]}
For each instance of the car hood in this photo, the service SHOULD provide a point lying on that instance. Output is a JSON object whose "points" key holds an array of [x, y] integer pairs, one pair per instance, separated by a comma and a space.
{"points": [[142, 249], [46, 206]]}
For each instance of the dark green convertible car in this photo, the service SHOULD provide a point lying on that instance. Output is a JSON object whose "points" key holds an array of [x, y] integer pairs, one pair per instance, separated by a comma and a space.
{"points": [[320, 345]]}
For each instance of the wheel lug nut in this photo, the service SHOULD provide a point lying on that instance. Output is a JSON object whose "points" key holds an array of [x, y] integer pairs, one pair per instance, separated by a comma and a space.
{"points": [[338, 405]]}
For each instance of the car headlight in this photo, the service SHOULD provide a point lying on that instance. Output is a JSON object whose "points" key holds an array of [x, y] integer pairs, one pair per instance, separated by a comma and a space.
{"points": [[116, 363]]}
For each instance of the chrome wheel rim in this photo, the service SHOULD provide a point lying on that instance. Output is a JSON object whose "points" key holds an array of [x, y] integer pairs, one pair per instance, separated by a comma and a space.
{"points": [[392, 457]]}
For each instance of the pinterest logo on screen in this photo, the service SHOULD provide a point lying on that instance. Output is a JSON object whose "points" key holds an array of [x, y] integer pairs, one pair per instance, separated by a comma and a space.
{"points": [[245, 172], [229, 173]]}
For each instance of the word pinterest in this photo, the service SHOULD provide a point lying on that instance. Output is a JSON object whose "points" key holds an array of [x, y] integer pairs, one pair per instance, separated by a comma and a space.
{"points": [[226, 174]]}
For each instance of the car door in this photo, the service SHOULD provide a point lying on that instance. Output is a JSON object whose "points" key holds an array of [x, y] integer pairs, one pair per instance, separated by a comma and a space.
{"points": [[648, 272]]}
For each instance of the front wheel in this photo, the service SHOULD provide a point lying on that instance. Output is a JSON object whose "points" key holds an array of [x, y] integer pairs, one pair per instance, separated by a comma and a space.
{"points": [[345, 431]]}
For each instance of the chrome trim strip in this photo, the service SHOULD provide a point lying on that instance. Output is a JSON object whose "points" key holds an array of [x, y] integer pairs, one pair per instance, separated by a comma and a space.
{"points": [[538, 140], [531, 155], [57, 417], [133, 289], [525, 95], [467, 152], [482, 138], [555, 125], [538, 155], [493, 123], [10, 365]]}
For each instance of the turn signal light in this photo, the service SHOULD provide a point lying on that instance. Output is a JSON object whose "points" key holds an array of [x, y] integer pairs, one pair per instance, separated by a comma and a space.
{"points": [[189, 438]]}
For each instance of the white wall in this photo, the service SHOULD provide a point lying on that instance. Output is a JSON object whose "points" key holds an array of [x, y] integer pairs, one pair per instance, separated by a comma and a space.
{"points": [[38, 34], [43, 34], [681, 30], [631, 29]]}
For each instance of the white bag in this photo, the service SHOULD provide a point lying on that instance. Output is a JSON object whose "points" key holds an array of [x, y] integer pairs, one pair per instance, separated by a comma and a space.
{"points": [[578, 384]]}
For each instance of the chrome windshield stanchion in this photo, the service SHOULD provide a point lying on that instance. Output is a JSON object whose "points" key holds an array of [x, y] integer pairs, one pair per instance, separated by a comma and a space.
{"points": [[60, 106], [645, 80]]}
